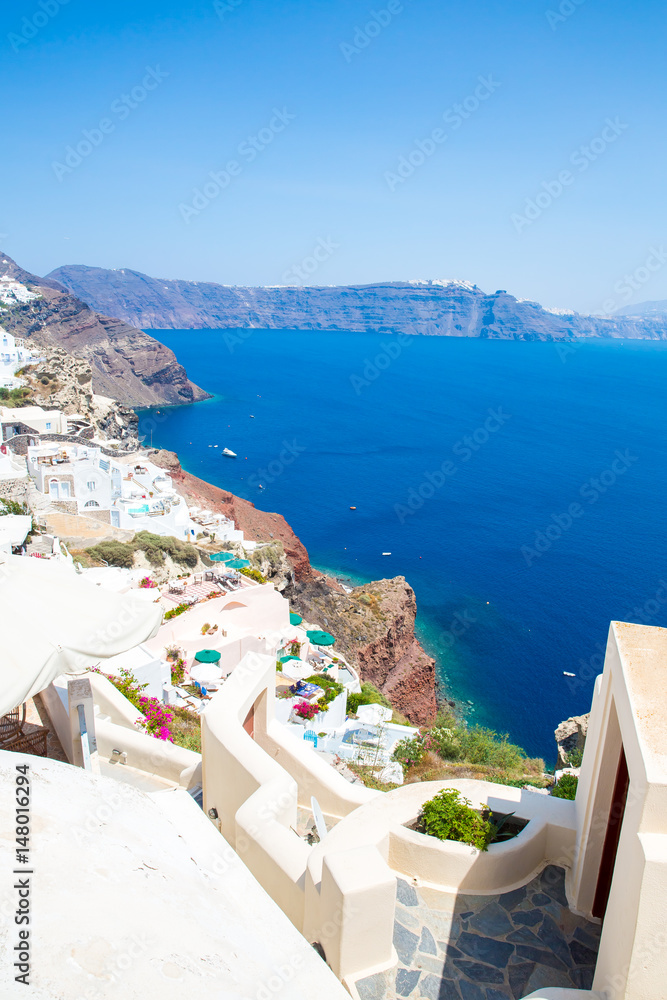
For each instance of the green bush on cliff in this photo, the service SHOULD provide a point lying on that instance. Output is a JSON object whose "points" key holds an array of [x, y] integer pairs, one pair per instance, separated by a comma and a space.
{"points": [[369, 695], [154, 547], [113, 553], [20, 396], [253, 574], [484, 746], [410, 751], [566, 787]]}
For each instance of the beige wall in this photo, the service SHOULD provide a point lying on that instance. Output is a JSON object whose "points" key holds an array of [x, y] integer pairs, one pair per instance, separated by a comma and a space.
{"points": [[341, 893], [629, 711]]}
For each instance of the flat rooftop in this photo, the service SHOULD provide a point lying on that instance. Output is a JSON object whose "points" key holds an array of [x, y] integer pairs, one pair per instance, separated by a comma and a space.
{"points": [[643, 651]]}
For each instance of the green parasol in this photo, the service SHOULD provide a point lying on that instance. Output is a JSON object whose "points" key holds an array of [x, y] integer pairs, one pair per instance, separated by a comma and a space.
{"points": [[207, 656], [320, 638]]}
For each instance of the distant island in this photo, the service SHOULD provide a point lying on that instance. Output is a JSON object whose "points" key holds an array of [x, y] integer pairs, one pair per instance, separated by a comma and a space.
{"points": [[429, 308]]}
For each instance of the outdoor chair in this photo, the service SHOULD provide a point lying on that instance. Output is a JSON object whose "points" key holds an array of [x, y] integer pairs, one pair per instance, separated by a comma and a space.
{"points": [[12, 736], [32, 743], [12, 723]]}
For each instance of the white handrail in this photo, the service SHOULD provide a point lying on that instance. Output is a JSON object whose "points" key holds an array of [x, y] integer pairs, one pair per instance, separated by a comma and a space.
{"points": [[85, 742]]}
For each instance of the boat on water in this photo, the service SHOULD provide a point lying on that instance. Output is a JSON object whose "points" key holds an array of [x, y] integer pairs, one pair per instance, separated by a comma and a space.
{"points": [[386, 553], [353, 508], [568, 674], [229, 453]]}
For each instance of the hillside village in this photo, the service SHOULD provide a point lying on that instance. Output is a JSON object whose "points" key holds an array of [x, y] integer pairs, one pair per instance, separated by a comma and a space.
{"points": [[193, 716]]}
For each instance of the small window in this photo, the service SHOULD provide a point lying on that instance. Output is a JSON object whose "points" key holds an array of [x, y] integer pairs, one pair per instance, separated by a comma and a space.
{"points": [[92, 486], [48, 425], [91, 503]]}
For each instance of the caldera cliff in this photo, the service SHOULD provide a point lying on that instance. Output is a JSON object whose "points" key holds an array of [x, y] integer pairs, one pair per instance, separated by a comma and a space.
{"points": [[374, 624]]}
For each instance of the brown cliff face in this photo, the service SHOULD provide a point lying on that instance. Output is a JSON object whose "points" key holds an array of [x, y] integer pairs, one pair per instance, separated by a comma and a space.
{"points": [[127, 364], [373, 625]]}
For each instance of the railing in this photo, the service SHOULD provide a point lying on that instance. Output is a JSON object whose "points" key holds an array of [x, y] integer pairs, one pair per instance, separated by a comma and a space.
{"points": [[85, 742]]}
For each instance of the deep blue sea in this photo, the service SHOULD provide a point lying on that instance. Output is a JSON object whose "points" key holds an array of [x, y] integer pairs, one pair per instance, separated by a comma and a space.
{"points": [[521, 488]]}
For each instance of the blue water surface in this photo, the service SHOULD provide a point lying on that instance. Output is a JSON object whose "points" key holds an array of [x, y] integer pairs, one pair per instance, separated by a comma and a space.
{"points": [[519, 487]]}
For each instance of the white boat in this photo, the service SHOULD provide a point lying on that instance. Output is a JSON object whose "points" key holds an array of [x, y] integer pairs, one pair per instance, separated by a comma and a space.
{"points": [[386, 553], [568, 674], [229, 453]]}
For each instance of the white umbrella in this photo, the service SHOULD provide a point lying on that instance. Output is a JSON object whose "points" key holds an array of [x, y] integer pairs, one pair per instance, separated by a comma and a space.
{"points": [[55, 622]]}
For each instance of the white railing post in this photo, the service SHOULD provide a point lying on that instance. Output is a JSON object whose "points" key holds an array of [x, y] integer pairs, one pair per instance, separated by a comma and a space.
{"points": [[82, 724]]}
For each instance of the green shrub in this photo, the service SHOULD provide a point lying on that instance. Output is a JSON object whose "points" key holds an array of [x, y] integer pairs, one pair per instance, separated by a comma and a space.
{"points": [[153, 546], [178, 671], [330, 687], [126, 683], [271, 553], [450, 816], [575, 757], [185, 728], [12, 507], [409, 751], [20, 396], [178, 610], [445, 741], [254, 574], [369, 695], [113, 553], [484, 746], [566, 787]]}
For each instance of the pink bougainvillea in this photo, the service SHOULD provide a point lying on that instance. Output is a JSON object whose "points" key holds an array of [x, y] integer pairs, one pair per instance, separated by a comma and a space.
{"points": [[156, 719], [305, 710]]}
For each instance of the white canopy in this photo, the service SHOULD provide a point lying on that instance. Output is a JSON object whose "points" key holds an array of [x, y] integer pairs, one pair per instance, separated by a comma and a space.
{"points": [[53, 621]]}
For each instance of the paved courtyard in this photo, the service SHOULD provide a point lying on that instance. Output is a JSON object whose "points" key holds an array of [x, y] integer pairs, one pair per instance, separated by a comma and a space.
{"points": [[487, 947]]}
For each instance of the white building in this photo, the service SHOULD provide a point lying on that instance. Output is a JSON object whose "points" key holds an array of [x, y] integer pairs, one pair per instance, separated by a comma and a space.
{"points": [[13, 292], [13, 355], [11, 466], [135, 496], [31, 420]]}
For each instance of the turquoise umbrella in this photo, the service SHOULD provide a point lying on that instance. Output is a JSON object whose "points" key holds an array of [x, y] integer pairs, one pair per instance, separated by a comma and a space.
{"points": [[284, 659], [207, 656], [321, 638], [295, 619], [238, 564], [222, 556]]}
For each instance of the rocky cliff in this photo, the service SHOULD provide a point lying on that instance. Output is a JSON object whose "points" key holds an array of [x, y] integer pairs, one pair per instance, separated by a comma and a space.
{"points": [[374, 627], [126, 363], [61, 381], [373, 624], [432, 308], [571, 737]]}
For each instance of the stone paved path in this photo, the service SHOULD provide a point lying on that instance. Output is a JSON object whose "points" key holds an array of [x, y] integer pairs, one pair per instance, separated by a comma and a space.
{"points": [[487, 947]]}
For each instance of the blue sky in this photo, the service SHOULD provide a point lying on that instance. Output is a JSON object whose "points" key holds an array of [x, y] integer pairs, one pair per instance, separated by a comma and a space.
{"points": [[335, 96]]}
